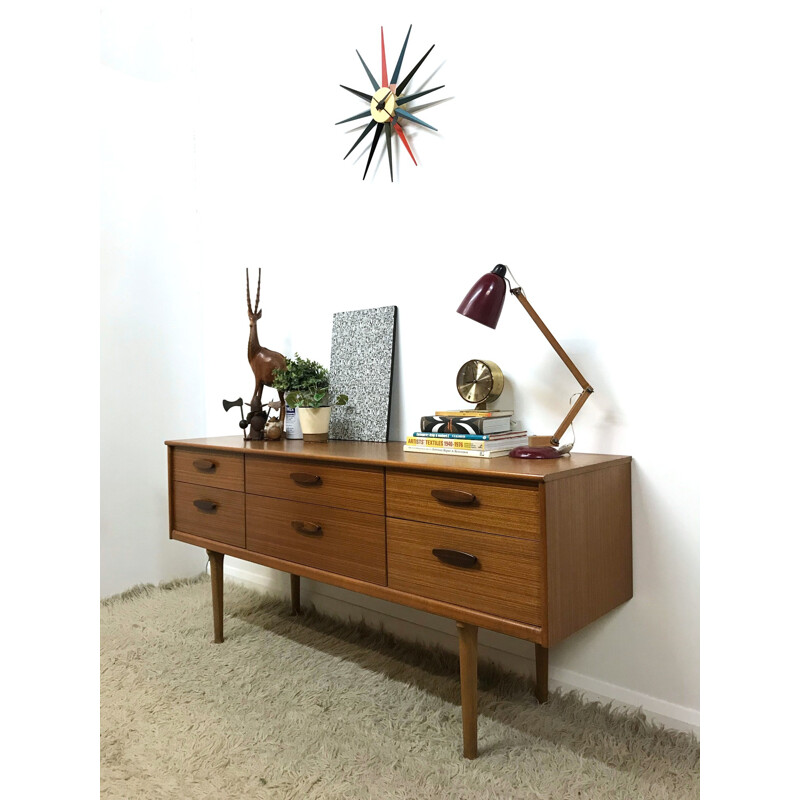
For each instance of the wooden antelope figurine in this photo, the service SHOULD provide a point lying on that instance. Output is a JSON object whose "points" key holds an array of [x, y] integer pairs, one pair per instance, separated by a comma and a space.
{"points": [[263, 361]]}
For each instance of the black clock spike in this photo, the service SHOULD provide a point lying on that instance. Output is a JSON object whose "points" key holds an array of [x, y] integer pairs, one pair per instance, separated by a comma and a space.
{"points": [[366, 130], [410, 97], [411, 74], [362, 95], [372, 149], [387, 126]]}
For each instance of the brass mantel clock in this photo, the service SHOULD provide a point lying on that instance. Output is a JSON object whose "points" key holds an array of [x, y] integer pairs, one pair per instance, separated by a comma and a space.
{"points": [[387, 105], [480, 381]]}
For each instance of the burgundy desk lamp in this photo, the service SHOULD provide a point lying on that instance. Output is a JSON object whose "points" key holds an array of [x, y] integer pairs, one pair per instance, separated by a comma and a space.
{"points": [[483, 303]]}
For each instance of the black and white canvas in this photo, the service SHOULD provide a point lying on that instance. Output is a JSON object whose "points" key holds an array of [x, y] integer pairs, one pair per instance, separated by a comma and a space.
{"points": [[362, 360]]}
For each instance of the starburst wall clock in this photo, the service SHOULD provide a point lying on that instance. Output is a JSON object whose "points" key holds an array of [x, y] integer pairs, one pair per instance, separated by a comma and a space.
{"points": [[387, 106]]}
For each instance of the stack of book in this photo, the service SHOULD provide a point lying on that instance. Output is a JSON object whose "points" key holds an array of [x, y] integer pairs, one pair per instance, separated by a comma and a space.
{"points": [[481, 434]]}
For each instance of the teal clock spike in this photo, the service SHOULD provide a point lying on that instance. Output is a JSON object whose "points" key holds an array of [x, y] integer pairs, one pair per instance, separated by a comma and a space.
{"points": [[372, 149], [410, 97], [357, 116], [362, 95], [375, 84], [396, 72], [363, 134], [388, 129], [406, 115], [411, 74]]}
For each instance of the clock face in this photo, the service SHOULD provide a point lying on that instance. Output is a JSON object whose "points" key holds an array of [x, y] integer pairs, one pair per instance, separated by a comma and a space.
{"points": [[388, 106], [480, 381]]}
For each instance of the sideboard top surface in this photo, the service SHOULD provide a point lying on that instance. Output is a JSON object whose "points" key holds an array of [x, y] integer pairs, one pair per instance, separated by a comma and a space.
{"points": [[391, 454]]}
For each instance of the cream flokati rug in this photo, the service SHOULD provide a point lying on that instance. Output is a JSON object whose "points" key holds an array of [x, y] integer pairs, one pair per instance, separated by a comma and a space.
{"points": [[307, 707]]}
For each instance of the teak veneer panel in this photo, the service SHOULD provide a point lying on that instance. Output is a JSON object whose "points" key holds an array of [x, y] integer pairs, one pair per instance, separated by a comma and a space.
{"points": [[226, 472], [589, 554], [391, 454], [520, 630], [348, 543], [504, 507], [225, 523], [507, 580], [352, 487]]}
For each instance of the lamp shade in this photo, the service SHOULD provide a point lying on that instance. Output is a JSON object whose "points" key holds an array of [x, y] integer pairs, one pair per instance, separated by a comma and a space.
{"points": [[484, 301]]}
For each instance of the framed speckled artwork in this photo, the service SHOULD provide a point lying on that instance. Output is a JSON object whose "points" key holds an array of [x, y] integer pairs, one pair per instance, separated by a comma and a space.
{"points": [[362, 361]]}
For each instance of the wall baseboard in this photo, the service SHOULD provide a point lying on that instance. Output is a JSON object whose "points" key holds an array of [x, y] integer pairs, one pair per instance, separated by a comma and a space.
{"points": [[419, 626]]}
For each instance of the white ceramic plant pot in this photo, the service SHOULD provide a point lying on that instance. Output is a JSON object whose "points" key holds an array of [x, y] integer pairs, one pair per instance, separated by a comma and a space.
{"points": [[314, 422]]}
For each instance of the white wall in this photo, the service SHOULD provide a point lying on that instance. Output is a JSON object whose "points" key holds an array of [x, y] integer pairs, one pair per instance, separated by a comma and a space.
{"points": [[565, 150], [152, 328]]}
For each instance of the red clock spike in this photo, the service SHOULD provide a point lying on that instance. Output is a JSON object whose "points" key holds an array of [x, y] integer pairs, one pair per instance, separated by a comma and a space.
{"points": [[404, 141], [384, 71]]}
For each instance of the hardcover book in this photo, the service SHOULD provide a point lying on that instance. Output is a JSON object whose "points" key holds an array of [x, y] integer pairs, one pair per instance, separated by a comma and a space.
{"points": [[485, 437], [449, 445], [410, 448], [472, 425], [472, 412]]}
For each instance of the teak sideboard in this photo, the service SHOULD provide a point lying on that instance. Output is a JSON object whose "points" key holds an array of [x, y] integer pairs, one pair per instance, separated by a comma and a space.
{"points": [[535, 549]]}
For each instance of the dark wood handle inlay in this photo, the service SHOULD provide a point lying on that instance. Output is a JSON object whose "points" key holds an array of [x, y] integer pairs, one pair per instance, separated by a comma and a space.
{"points": [[455, 557], [205, 505], [305, 478], [307, 528], [454, 497], [204, 465]]}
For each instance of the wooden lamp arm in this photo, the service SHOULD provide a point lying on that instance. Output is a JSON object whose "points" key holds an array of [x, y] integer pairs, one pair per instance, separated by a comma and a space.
{"points": [[587, 389]]}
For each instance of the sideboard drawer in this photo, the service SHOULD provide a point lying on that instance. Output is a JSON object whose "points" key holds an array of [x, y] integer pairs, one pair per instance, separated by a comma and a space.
{"points": [[357, 488], [208, 468], [506, 578], [490, 505], [209, 512], [344, 542]]}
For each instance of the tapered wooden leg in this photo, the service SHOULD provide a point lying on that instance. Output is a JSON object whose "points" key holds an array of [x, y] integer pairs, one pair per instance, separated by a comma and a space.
{"points": [[295, 593], [468, 657], [541, 673], [216, 591]]}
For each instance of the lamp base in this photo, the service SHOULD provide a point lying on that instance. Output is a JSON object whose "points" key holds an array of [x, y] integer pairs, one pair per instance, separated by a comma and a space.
{"points": [[526, 451]]}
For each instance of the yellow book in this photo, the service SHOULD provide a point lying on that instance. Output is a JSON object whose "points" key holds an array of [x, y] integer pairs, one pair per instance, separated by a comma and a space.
{"points": [[471, 412], [450, 445]]}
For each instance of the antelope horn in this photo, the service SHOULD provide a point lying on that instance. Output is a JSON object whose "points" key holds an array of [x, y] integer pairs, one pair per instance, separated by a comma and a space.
{"points": [[247, 273], [258, 291]]}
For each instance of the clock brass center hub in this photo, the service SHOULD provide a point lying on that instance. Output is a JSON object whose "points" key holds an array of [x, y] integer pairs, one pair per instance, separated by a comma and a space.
{"points": [[383, 104]]}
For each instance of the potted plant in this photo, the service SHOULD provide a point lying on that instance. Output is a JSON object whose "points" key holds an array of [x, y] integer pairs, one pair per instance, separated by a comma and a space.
{"points": [[306, 385]]}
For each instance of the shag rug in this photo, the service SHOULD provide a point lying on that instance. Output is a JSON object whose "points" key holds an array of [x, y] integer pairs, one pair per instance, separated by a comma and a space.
{"points": [[310, 707]]}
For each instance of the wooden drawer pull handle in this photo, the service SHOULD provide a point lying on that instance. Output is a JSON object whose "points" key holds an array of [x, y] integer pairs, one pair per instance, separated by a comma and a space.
{"points": [[204, 465], [305, 478], [454, 496], [206, 505], [455, 557], [308, 528]]}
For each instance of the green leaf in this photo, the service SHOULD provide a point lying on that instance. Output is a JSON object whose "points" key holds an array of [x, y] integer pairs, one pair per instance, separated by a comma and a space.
{"points": [[301, 375]]}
